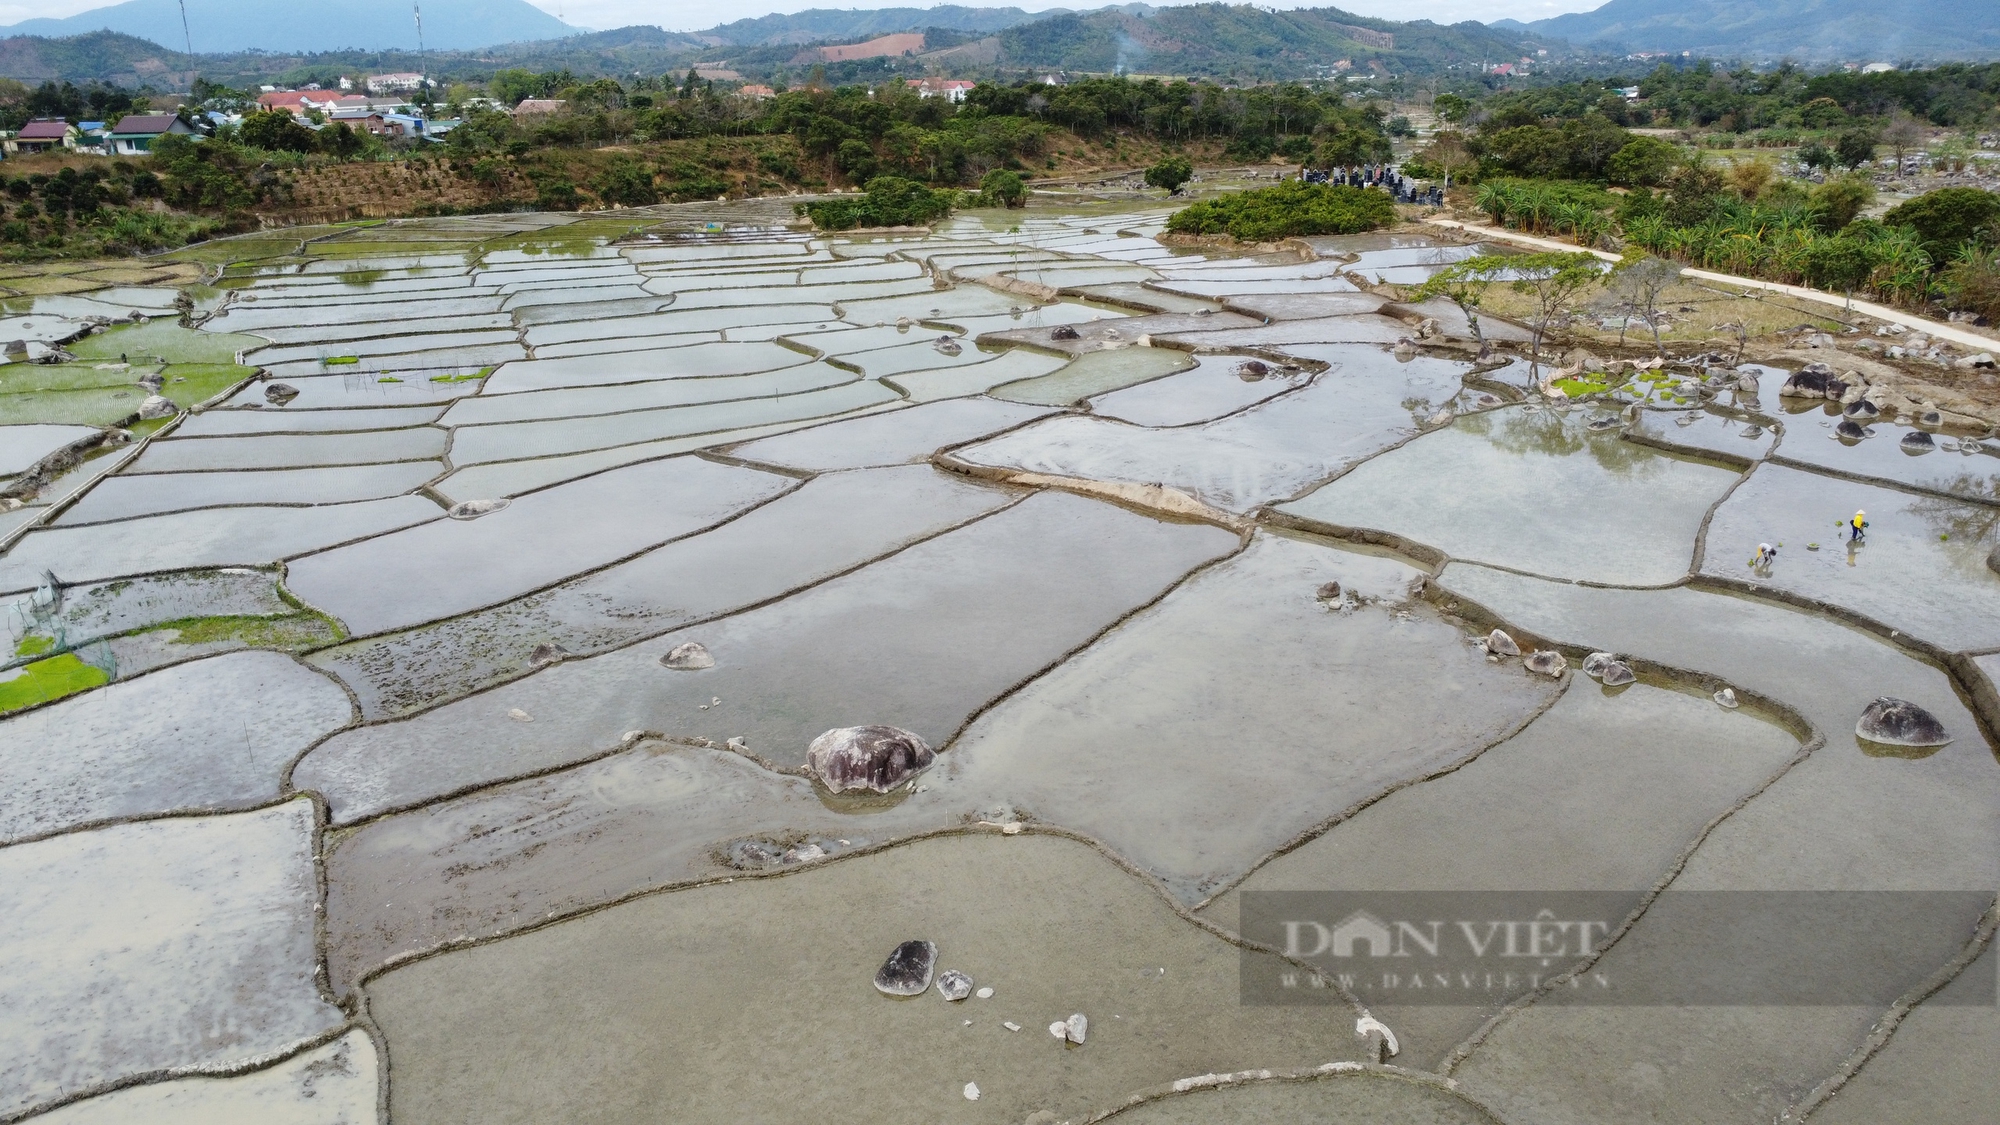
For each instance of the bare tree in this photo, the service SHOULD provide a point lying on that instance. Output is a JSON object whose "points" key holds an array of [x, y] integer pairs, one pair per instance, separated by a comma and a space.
{"points": [[1902, 134], [1638, 281]]}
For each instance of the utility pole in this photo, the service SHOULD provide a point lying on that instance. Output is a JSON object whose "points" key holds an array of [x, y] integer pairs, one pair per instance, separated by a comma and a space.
{"points": [[188, 37]]}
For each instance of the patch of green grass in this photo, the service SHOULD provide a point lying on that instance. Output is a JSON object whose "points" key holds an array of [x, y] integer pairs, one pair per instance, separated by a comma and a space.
{"points": [[388, 379], [191, 383], [292, 633], [49, 679], [340, 361], [466, 378]]}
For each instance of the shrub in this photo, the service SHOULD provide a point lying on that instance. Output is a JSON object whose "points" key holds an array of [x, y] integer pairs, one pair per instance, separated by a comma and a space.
{"points": [[1001, 188], [1946, 218], [1290, 209], [890, 202], [626, 182]]}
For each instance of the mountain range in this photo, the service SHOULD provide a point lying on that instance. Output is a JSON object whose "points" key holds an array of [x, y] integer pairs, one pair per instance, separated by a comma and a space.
{"points": [[227, 26], [1806, 30]]}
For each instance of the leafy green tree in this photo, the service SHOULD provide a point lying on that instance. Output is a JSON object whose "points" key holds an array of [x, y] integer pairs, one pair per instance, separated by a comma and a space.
{"points": [[1452, 108], [1855, 147], [1170, 174], [275, 130], [1644, 162], [1002, 188], [1815, 156]]}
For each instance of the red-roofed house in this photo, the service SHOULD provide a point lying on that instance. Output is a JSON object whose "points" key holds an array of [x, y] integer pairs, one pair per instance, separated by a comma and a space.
{"points": [[297, 102], [45, 134]]}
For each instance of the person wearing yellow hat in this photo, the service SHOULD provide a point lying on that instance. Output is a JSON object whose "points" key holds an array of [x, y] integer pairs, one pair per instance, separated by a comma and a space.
{"points": [[1857, 528]]}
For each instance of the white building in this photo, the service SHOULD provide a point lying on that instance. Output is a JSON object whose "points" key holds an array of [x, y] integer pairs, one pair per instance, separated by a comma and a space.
{"points": [[394, 83]]}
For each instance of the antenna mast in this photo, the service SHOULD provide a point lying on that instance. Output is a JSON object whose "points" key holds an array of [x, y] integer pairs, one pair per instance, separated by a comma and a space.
{"points": [[188, 36]]}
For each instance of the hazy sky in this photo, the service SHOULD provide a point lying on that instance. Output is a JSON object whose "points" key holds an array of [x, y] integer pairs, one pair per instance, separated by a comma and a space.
{"points": [[690, 15]]}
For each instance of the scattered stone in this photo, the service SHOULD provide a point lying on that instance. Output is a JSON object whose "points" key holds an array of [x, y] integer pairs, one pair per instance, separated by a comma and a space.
{"points": [[1599, 425], [1253, 369], [1918, 441], [519, 716], [954, 985], [1746, 383], [1726, 698], [1547, 662], [984, 994], [1862, 409], [972, 1091], [1814, 380], [1898, 722], [1593, 665], [1983, 359], [688, 656], [947, 346], [1443, 417], [1405, 349], [156, 407], [278, 394], [803, 853], [548, 652], [1850, 429], [1500, 644], [907, 972], [1616, 674], [736, 745], [473, 509], [1072, 1029], [904, 323], [1062, 332], [1010, 1025], [1931, 418], [871, 757], [1330, 592]]}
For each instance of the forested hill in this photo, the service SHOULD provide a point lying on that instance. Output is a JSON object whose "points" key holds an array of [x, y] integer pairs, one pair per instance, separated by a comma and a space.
{"points": [[1249, 42], [1805, 30]]}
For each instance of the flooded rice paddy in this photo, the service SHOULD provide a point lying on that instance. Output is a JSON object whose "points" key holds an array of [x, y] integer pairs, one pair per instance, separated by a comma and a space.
{"points": [[410, 720]]}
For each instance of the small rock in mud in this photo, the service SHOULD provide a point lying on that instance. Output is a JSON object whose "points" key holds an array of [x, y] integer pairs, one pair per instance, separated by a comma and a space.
{"points": [[280, 393], [1850, 430], [688, 656], [1862, 410], [1330, 592], [1898, 722], [736, 745], [972, 1091], [1746, 383], [803, 853], [519, 716], [1599, 425], [1919, 441], [1548, 662], [1441, 418], [1500, 644], [1593, 665], [947, 346], [1930, 418], [871, 757], [156, 407], [1752, 432], [1062, 332], [1814, 380], [1616, 674], [984, 994], [1726, 698], [1072, 1029], [548, 652], [907, 972], [473, 509], [1252, 369], [954, 985]]}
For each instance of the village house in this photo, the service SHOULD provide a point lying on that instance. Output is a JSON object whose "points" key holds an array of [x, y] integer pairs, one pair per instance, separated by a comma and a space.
{"points": [[44, 134], [135, 134]]}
